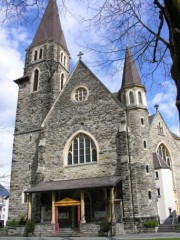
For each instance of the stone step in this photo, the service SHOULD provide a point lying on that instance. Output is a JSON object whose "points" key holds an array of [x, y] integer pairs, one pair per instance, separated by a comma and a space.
{"points": [[166, 228]]}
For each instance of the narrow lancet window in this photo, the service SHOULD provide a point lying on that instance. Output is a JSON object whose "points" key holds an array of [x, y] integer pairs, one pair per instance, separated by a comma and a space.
{"points": [[139, 97], [62, 81], [36, 80], [131, 98]]}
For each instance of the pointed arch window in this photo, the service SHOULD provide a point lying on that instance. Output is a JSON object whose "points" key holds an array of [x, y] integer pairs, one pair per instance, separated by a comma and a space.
{"points": [[35, 55], [36, 80], [64, 60], [40, 53], [139, 97], [61, 57], [62, 81], [131, 98], [82, 150], [164, 154]]}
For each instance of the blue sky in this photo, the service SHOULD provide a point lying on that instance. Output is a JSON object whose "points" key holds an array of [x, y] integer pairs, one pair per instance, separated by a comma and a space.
{"points": [[14, 41]]}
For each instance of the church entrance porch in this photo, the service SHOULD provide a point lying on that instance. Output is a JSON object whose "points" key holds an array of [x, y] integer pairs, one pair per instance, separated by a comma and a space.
{"points": [[81, 208]]}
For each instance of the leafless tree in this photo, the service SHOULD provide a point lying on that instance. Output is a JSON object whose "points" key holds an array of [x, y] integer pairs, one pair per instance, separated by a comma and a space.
{"points": [[20, 12], [150, 28]]}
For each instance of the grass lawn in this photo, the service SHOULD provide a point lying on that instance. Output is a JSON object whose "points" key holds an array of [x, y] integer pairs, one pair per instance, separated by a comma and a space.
{"points": [[161, 239]]}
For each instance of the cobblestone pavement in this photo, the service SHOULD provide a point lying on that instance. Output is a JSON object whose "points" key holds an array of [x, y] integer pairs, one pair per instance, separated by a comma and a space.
{"points": [[122, 237]]}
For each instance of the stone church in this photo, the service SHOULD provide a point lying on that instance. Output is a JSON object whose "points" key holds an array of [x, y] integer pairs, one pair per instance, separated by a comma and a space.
{"points": [[81, 153]]}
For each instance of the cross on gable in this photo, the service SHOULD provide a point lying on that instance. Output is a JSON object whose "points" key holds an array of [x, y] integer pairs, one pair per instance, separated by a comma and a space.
{"points": [[80, 55]]}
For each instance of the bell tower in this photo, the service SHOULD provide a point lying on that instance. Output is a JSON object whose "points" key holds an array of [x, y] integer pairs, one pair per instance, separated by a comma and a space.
{"points": [[140, 162], [45, 73]]}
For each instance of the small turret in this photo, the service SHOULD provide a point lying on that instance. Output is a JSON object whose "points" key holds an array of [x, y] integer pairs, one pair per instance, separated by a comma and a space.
{"points": [[132, 92]]}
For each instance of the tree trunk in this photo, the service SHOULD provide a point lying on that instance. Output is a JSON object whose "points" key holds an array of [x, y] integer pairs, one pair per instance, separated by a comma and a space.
{"points": [[172, 10]]}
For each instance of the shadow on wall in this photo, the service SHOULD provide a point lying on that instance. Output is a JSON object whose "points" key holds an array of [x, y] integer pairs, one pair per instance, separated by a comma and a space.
{"points": [[171, 219]]}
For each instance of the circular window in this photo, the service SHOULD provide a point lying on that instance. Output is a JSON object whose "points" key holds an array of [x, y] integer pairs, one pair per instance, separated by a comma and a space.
{"points": [[80, 94]]}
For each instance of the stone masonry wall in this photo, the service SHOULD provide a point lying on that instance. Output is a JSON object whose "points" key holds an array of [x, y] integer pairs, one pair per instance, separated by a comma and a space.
{"points": [[173, 148], [32, 108], [140, 157], [99, 116]]}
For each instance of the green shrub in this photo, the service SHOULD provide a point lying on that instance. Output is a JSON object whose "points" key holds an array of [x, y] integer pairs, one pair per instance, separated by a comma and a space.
{"points": [[12, 223], [151, 223], [21, 220], [29, 227], [105, 225]]}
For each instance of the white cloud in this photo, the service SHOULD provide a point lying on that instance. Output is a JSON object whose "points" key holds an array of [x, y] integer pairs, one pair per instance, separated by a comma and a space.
{"points": [[166, 98], [12, 45], [11, 67]]}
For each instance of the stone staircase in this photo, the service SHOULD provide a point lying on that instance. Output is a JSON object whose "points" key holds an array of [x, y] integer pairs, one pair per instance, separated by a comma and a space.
{"points": [[166, 228], [62, 232], [169, 228], [68, 232]]}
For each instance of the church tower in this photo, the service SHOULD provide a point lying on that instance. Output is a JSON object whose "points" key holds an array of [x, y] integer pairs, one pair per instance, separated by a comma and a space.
{"points": [[133, 97], [45, 73]]}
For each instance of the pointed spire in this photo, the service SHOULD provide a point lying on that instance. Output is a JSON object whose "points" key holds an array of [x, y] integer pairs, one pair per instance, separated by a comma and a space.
{"points": [[130, 73], [50, 27]]}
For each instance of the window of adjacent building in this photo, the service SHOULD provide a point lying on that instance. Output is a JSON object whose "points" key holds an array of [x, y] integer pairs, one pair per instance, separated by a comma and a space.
{"points": [[131, 98], [36, 80], [145, 144], [64, 60], [158, 192], [160, 128], [149, 195], [82, 150], [164, 154], [80, 94], [62, 81], [140, 97]]}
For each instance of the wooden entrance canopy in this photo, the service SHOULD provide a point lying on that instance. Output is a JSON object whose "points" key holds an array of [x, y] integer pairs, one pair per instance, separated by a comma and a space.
{"points": [[83, 183], [67, 202]]}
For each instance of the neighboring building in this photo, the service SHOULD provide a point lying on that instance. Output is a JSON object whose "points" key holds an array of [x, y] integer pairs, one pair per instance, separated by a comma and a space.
{"points": [[4, 205], [82, 153]]}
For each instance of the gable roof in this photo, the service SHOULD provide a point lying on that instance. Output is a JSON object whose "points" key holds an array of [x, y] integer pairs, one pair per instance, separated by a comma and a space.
{"points": [[83, 183], [152, 118], [50, 27], [3, 192], [130, 73], [64, 87]]}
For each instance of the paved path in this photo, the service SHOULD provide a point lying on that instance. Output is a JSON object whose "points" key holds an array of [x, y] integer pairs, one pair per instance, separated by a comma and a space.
{"points": [[122, 237]]}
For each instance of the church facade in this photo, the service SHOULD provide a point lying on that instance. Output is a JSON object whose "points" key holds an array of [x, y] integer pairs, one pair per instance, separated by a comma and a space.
{"points": [[81, 153]]}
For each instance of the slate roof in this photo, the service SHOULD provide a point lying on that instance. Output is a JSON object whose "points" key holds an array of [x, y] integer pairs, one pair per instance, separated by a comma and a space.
{"points": [[3, 191], [130, 73], [151, 118], [174, 135], [83, 183], [50, 27], [159, 163]]}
